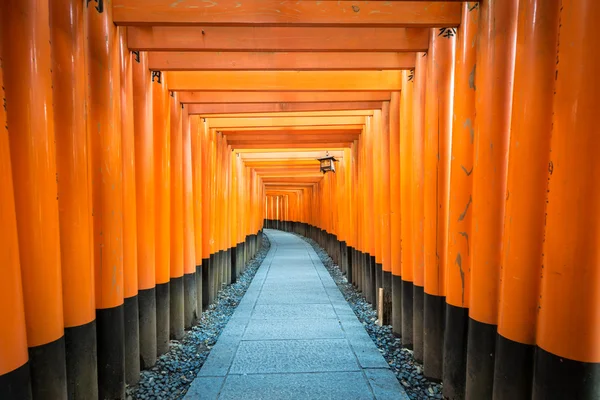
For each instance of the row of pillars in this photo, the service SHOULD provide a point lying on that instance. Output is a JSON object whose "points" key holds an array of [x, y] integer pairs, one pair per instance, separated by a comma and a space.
{"points": [[122, 216], [471, 197]]}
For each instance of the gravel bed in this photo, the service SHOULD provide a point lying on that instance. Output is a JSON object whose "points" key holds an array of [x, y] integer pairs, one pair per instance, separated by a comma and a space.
{"points": [[174, 371], [408, 371]]}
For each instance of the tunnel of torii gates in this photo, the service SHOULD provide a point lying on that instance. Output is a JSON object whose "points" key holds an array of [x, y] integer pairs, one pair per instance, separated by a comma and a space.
{"points": [[146, 144]]}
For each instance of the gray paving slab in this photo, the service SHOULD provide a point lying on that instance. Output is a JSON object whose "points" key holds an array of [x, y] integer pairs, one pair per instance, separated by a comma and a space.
{"points": [[294, 336], [326, 385]]}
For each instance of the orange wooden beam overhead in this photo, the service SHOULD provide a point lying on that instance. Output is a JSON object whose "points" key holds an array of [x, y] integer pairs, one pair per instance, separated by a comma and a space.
{"points": [[228, 97], [257, 61], [276, 12], [316, 113], [293, 146], [290, 138], [271, 38], [301, 81], [303, 131], [233, 108], [218, 123], [357, 128]]}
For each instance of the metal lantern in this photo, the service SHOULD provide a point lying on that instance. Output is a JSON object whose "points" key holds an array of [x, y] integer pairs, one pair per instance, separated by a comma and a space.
{"points": [[327, 163]]}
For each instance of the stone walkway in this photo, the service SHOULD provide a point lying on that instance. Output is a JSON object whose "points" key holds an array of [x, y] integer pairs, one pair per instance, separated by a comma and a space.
{"points": [[293, 336]]}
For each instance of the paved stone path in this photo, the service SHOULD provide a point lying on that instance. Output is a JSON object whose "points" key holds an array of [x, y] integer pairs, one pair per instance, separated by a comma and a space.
{"points": [[293, 336]]}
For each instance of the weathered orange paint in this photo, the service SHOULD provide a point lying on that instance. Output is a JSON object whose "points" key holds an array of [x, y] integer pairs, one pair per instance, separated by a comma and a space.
{"points": [[438, 140], [228, 97], [458, 274], [104, 125], [13, 335], [417, 200], [72, 162], [529, 156], [177, 205], [395, 184], [189, 233], [569, 318], [495, 67], [197, 133], [222, 40], [130, 259], [30, 121], [144, 172], [406, 175], [162, 176], [232, 108], [284, 80], [273, 12], [279, 61], [384, 155]]}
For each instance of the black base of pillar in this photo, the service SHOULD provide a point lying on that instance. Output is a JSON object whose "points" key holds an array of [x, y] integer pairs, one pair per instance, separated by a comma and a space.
{"points": [[397, 305], [205, 284], [190, 300], [455, 352], [210, 284], [378, 281], [131, 317], [48, 370], [481, 348], [418, 299], [199, 279], [82, 361], [110, 334], [407, 314], [16, 384], [176, 308], [349, 266], [234, 265], [387, 298], [434, 318], [147, 310], [513, 370], [162, 318], [559, 378]]}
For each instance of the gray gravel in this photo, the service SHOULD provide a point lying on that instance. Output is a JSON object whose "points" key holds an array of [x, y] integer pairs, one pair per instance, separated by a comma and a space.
{"points": [[174, 371], [408, 371]]}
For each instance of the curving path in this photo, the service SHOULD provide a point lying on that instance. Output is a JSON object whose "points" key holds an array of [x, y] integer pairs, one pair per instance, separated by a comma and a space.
{"points": [[293, 336]]}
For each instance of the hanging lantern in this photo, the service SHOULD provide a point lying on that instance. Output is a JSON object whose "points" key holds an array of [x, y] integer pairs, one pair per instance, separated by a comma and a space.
{"points": [[327, 163]]}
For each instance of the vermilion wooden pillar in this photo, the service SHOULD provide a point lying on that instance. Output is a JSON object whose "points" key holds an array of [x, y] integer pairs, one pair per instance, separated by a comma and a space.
{"points": [[567, 360], [145, 203], [192, 298], [104, 125], [74, 196], [15, 381], [420, 79], [494, 78], [458, 270], [406, 212], [438, 138], [26, 64], [176, 289], [525, 220], [130, 259], [162, 177]]}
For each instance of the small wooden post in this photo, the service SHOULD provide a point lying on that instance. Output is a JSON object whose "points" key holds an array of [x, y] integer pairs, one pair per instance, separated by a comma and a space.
{"points": [[380, 307]]}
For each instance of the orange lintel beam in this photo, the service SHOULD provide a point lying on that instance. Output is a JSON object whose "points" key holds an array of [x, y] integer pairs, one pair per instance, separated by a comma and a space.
{"points": [[317, 113], [276, 12], [324, 129], [225, 97], [301, 81], [245, 61], [271, 38], [290, 138], [304, 131], [291, 146], [232, 108], [218, 123]]}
